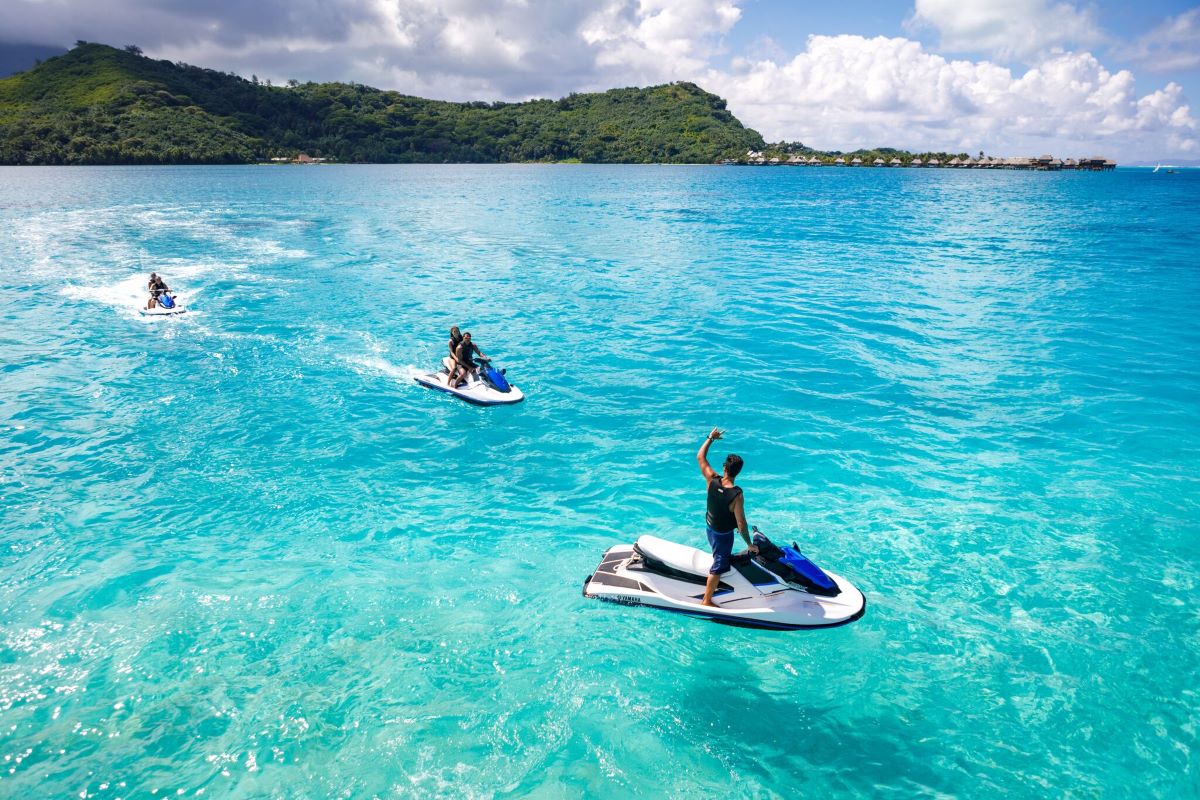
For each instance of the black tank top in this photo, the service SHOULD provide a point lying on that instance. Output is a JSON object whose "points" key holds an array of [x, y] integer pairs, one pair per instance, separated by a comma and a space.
{"points": [[719, 517], [454, 343]]}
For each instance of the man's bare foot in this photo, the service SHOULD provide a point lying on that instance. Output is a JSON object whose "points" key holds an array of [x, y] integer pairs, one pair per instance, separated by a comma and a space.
{"points": [[710, 605]]}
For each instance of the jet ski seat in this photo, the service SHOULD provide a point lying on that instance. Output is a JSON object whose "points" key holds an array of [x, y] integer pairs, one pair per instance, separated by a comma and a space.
{"points": [[673, 555]]}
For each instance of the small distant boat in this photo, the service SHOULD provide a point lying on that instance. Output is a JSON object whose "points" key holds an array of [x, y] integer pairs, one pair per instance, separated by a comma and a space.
{"points": [[1157, 168]]}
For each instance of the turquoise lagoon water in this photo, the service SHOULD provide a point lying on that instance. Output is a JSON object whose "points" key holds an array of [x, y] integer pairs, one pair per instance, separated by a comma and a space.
{"points": [[244, 555]]}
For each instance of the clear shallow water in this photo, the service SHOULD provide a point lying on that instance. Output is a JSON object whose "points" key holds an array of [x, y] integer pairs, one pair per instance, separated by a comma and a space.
{"points": [[242, 552]]}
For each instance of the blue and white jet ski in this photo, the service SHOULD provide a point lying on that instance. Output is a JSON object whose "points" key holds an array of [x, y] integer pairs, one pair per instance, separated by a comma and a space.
{"points": [[488, 386], [778, 588], [167, 306]]}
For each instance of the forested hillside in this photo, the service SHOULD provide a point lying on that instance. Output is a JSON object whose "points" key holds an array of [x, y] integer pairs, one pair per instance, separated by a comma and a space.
{"points": [[100, 105]]}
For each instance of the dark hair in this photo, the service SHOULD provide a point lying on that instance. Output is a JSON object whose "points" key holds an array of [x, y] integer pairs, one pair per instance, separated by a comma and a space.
{"points": [[466, 334], [733, 465], [454, 332]]}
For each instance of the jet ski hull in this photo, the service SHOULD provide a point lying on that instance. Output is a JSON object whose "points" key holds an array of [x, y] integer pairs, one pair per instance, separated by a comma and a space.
{"points": [[747, 596], [159, 311], [474, 391]]}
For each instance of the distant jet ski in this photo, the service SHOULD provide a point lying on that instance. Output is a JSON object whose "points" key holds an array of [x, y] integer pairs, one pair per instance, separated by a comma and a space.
{"points": [[488, 387], [166, 306], [778, 588]]}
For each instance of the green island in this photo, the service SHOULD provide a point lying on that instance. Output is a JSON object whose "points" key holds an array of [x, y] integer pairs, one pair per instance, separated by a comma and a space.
{"points": [[104, 105]]}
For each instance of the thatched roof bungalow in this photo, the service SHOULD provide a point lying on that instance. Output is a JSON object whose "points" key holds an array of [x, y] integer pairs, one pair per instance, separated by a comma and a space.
{"points": [[839, 161], [916, 162], [877, 162], [856, 162], [814, 161], [933, 162], [895, 162], [954, 162]]}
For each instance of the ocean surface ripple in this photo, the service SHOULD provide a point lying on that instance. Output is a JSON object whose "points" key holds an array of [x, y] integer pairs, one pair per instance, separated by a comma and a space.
{"points": [[243, 553]]}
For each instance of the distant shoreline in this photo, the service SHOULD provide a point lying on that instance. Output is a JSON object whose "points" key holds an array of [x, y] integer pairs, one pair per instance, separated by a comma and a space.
{"points": [[247, 165]]}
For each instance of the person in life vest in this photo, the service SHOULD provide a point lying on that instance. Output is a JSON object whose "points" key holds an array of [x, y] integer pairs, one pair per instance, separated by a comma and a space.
{"points": [[726, 512], [465, 365], [157, 287]]}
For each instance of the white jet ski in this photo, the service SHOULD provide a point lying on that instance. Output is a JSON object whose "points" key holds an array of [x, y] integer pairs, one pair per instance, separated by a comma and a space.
{"points": [[779, 588], [167, 306], [487, 387]]}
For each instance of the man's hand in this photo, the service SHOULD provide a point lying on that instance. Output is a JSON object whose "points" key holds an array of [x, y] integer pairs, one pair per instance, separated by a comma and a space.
{"points": [[752, 549], [716, 434]]}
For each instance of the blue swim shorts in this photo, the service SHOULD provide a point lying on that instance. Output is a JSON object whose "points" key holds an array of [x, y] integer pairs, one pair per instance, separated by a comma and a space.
{"points": [[722, 548]]}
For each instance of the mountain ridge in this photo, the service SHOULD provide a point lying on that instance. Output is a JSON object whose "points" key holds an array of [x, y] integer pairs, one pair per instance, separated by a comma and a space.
{"points": [[100, 105]]}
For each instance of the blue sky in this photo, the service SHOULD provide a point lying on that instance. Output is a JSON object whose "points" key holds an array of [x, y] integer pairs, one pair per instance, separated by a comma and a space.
{"points": [[1010, 77]]}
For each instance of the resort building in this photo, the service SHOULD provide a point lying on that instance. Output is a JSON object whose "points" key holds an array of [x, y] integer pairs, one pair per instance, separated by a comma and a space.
{"points": [[1096, 164], [1042, 163]]}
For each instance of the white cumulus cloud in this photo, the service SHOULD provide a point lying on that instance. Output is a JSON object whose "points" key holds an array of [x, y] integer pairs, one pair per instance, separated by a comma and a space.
{"points": [[849, 91]]}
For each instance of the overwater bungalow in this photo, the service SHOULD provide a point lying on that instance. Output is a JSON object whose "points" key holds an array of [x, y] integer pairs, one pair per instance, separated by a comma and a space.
{"points": [[1070, 164], [1096, 164], [877, 162], [795, 159], [954, 162], [856, 162], [916, 162], [933, 162], [895, 162], [839, 162], [814, 161], [773, 161]]}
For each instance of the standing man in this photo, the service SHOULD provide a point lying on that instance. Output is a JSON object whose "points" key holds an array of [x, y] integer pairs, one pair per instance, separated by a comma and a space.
{"points": [[725, 513]]}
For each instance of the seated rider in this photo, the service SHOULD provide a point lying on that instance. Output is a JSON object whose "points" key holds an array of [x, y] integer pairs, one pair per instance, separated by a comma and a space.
{"points": [[157, 287], [455, 341], [466, 361]]}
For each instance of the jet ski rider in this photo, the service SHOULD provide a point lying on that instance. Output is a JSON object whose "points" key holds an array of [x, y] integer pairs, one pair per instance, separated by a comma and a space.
{"points": [[465, 364], [455, 341], [157, 287], [726, 511]]}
